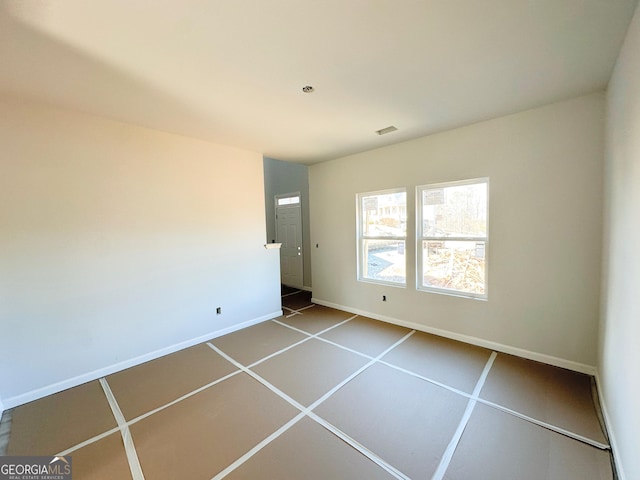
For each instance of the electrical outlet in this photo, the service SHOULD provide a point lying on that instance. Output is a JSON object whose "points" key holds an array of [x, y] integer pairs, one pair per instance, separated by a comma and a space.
{"points": [[218, 310], [384, 298]]}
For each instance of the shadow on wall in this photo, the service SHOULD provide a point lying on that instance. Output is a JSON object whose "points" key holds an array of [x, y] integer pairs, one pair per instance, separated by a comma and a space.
{"points": [[77, 80]]}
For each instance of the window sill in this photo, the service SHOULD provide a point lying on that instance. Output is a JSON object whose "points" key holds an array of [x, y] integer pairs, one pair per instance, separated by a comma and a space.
{"points": [[453, 293]]}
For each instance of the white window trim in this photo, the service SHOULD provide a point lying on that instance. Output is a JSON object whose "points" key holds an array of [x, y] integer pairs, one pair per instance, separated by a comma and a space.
{"points": [[360, 236], [420, 238]]}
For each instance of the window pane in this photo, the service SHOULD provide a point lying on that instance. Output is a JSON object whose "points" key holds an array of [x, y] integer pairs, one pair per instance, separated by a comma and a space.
{"points": [[384, 215], [454, 265], [383, 260], [455, 211], [288, 201]]}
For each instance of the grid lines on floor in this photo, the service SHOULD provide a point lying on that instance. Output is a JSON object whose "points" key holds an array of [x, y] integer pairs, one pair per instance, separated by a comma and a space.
{"points": [[322, 393]]}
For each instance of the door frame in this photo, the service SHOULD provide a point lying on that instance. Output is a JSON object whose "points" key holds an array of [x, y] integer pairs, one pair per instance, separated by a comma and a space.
{"points": [[299, 206]]}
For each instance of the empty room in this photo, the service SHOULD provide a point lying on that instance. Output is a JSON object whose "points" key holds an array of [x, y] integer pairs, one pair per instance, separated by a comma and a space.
{"points": [[366, 239]]}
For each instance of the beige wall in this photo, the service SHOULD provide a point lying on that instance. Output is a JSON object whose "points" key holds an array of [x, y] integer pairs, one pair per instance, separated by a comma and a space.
{"points": [[545, 169], [118, 243], [619, 365]]}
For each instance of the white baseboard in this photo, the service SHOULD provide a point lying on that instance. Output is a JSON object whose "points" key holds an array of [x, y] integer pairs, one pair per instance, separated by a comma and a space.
{"points": [[32, 395], [499, 347], [609, 426]]}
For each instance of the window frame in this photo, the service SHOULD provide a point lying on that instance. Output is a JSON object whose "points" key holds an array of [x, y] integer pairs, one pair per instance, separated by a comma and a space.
{"points": [[422, 237], [361, 237]]}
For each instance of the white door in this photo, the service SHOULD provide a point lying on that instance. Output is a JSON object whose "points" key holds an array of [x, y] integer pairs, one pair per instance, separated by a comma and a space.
{"points": [[289, 233]]}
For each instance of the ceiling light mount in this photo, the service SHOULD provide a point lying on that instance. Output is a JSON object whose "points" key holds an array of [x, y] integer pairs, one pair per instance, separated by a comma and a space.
{"points": [[307, 89], [388, 129]]}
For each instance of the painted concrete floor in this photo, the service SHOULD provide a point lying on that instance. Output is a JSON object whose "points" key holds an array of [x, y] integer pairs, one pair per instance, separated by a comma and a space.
{"points": [[323, 394]]}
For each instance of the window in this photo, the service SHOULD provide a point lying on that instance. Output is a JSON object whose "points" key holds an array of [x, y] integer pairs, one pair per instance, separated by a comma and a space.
{"points": [[285, 200], [382, 233], [453, 237]]}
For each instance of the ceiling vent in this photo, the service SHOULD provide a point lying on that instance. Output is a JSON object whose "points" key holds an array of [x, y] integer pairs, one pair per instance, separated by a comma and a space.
{"points": [[388, 129]]}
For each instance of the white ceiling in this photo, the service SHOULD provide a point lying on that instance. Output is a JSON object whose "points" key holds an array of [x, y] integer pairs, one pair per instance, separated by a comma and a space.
{"points": [[232, 71]]}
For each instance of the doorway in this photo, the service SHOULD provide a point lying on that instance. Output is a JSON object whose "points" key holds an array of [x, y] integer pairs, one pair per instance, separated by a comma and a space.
{"points": [[289, 234]]}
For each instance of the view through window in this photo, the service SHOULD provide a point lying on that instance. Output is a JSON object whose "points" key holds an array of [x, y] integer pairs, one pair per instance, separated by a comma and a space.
{"points": [[453, 237], [382, 232]]}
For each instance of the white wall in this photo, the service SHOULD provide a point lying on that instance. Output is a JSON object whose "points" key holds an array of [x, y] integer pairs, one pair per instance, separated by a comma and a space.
{"points": [[286, 177], [118, 242], [545, 168], [619, 365]]}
